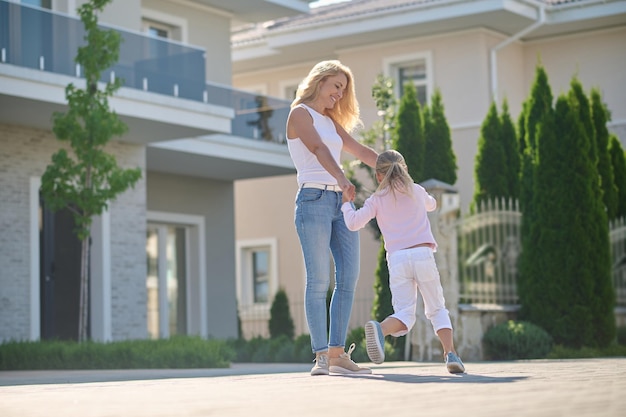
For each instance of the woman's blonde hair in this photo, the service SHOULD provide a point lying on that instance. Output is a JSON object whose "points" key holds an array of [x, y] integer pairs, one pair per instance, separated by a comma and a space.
{"points": [[390, 164], [346, 111]]}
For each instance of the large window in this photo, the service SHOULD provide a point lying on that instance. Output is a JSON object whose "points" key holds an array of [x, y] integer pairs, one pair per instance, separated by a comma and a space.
{"points": [[412, 68], [166, 283]]}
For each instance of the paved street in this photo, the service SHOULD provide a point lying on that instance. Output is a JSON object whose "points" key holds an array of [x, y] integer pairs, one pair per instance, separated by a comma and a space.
{"points": [[573, 388]]}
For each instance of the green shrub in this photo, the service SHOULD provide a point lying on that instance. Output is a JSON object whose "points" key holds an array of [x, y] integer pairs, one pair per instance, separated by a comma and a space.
{"points": [[302, 348], [176, 352], [281, 322], [621, 336], [516, 340], [562, 352]]}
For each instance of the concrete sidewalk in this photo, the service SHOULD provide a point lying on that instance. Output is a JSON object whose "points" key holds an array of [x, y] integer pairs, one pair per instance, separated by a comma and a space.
{"points": [[583, 387]]}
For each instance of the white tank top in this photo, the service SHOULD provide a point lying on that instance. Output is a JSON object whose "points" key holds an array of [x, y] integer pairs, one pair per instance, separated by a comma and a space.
{"points": [[307, 166]]}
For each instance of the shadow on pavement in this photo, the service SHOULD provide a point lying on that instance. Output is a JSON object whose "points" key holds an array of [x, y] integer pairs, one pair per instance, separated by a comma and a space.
{"points": [[427, 379]]}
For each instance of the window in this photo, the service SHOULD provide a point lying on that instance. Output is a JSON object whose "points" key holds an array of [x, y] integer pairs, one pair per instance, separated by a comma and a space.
{"points": [[158, 31], [416, 69], [260, 274], [176, 280], [164, 26], [45, 4], [166, 281], [288, 88], [257, 282]]}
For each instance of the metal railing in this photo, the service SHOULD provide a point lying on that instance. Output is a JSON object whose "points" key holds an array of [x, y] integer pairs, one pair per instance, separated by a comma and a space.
{"points": [[257, 116], [489, 246], [617, 233], [45, 40]]}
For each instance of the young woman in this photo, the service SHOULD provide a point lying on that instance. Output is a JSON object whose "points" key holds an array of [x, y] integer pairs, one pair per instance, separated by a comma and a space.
{"points": [[400, 207], [323, 113]]}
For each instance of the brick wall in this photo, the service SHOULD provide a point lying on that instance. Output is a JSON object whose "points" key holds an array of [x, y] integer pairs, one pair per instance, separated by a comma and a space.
{"points": [[25, 153]]}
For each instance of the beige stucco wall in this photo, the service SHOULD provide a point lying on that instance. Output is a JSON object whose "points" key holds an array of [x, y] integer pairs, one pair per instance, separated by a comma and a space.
{"points": [[598, 59], [206, 28]]}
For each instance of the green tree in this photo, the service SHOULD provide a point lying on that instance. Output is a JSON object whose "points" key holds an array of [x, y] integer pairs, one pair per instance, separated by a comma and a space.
{"points": [[603, 300], [378, 138], [618, 162], [440, 160], [86, 182], [490, 165], [281, 322], [408, 133], [511, 154], [569, 293], [609, 189], [382, 306], [537, 120]]}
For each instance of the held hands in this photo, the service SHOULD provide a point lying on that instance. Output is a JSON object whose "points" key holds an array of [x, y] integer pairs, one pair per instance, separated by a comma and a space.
{"points": [[349, 191]]}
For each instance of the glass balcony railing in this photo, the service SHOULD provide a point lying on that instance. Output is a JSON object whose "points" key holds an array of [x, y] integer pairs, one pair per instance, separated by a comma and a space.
{"points": [[40, 39], [257, 116]]}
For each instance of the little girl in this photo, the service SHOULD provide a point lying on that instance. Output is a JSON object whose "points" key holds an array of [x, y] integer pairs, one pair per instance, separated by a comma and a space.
{"points": [[400, 207]]}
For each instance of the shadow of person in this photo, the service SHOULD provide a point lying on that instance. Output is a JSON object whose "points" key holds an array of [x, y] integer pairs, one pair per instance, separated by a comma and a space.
{"points": [[451, 378]]}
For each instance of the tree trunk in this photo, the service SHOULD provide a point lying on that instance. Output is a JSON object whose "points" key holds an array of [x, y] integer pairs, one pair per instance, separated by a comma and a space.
{"points": [[83, 315]]}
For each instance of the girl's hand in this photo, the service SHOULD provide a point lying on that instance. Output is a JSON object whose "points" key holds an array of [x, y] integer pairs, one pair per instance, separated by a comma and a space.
{"points": [[349, 190]]}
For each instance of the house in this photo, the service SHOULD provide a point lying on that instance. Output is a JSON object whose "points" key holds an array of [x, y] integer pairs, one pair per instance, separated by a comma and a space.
{"points": [[163, 253], [473, 51]]}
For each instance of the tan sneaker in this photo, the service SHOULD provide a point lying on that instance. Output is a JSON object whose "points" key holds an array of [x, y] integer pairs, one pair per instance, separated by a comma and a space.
{"points": [[321, 365], [344, 365]]}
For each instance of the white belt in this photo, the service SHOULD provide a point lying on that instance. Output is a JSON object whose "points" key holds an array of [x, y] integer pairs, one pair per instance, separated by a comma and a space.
{"points": [[335, 188]]}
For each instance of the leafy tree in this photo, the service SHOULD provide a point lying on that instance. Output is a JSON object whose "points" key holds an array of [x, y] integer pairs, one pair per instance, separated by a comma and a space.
{"points": [[377, 137], [618, 162], [511, 154], [408, 133], [600, 116], [440, 160], [490, 161], [86, 182], [281, 322]]}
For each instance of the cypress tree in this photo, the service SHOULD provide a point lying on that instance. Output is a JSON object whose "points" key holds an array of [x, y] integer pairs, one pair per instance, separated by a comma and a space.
{"points": [[490, 162], [440, 160], [511, 154], [382, 306], [563, 188], [597, 232], [618, 162], [537, 112], [546, 252], [281, 322], [609, 189], [408, 133]]}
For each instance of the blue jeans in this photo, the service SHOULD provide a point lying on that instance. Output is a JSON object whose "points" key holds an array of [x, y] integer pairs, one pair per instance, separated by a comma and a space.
{"points": [[322, 231]]}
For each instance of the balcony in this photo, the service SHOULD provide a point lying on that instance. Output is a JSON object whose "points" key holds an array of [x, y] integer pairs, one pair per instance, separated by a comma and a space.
{"points": [[164, 96]]}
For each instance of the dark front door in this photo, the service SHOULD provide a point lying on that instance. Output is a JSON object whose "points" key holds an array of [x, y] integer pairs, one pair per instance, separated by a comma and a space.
{"points": [[60, 275]]}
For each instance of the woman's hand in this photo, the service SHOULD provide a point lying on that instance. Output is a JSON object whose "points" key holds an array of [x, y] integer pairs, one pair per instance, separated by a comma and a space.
{"points": [[348, 189]]}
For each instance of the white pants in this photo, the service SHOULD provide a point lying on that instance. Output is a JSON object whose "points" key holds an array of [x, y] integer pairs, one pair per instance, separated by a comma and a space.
{"points": [[411, 270]]}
